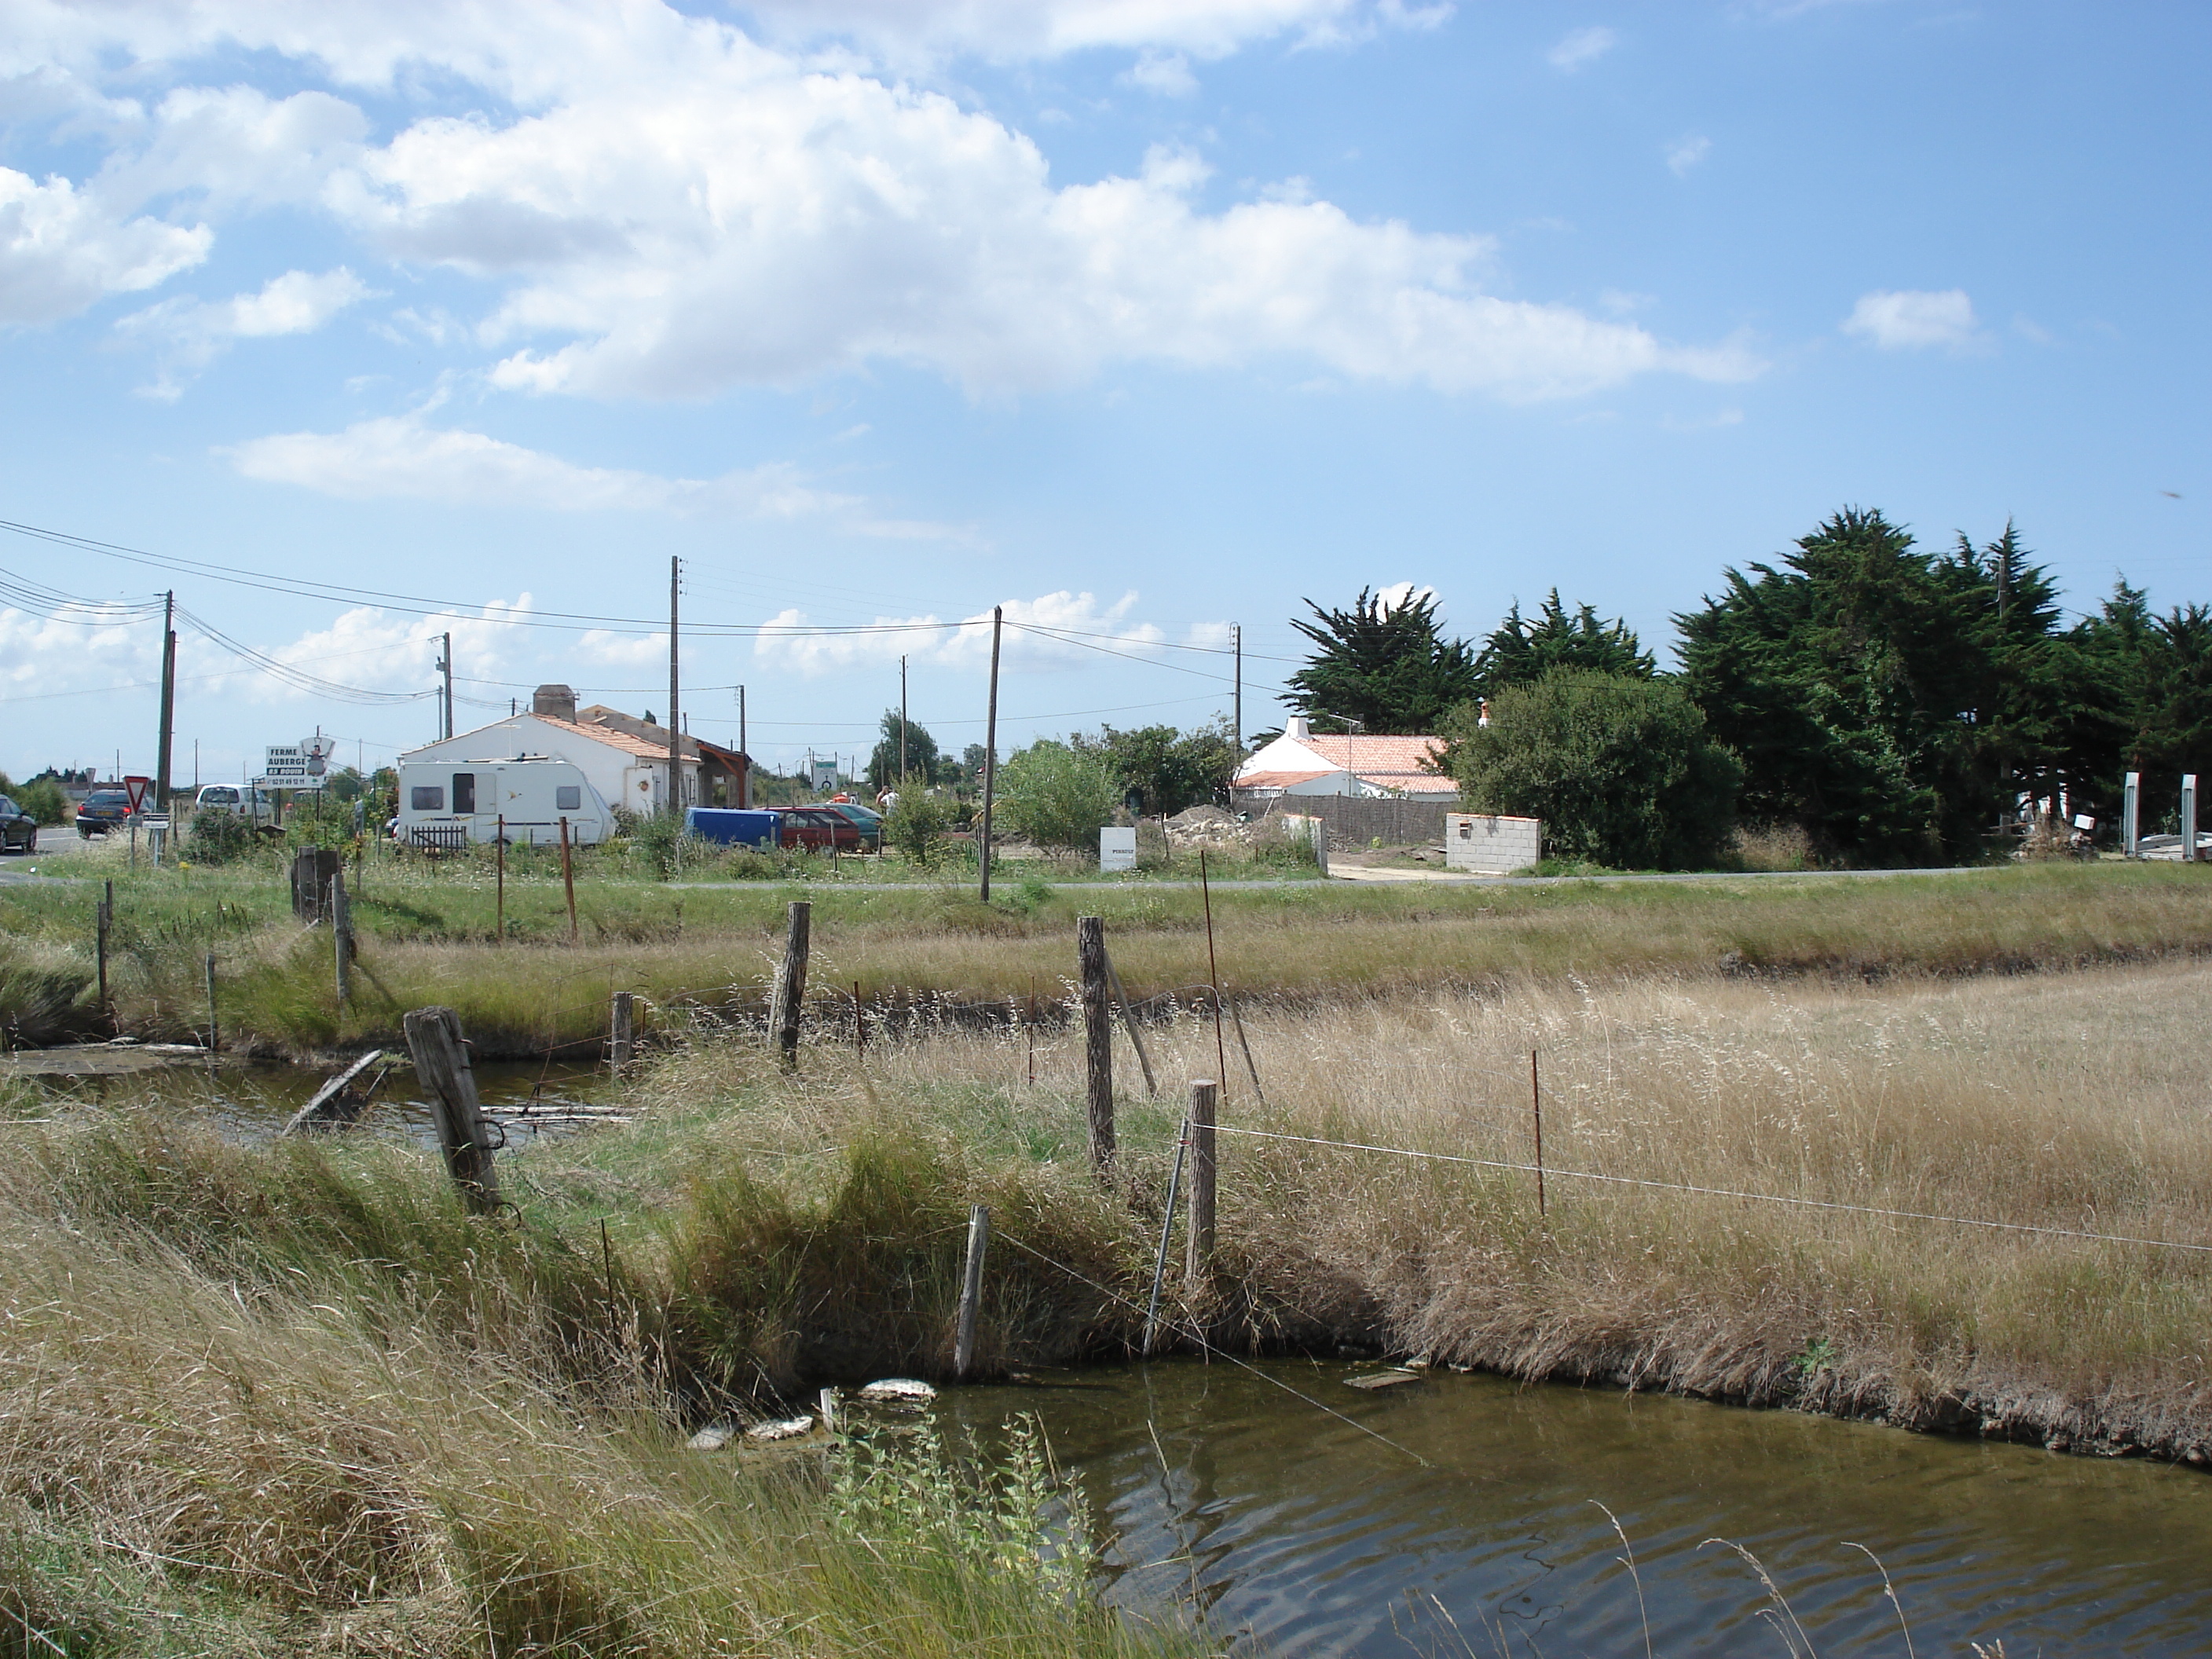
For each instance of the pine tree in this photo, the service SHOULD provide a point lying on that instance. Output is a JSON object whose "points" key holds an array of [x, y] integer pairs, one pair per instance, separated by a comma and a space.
{"points": [[1387, 666]]}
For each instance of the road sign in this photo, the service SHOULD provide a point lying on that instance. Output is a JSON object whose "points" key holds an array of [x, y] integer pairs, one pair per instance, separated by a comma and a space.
{"points": [[136, 788]]}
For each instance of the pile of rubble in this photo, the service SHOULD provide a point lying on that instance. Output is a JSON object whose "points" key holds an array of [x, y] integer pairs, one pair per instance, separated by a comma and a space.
{"points": [[1207, 826]]}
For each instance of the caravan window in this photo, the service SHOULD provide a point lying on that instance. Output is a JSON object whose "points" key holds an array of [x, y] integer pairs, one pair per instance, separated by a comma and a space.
{"points": [[426, 798], [465, 792], [568, 798]]}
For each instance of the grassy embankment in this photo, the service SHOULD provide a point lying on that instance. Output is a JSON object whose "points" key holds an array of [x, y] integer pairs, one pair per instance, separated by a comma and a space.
{"points": [[288, 1395], [290, 1400], [428, 935]]}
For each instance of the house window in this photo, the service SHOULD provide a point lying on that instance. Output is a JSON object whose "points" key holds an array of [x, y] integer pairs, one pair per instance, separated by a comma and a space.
{"points": [[426, 798], [568, 797], [465, 792]]}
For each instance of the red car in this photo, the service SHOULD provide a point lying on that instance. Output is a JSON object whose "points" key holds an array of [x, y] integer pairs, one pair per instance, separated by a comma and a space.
{"points": [[820, 830]]}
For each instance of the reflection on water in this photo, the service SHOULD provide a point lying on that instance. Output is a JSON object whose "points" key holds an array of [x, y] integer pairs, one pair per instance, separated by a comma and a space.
{"points": [[250, 1102], [1218, 1491]]}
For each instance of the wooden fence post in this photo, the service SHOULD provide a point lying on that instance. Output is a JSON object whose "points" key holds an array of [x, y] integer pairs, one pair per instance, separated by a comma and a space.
{"points": [[623, 1030], [971, 1291], [568, 880], [1198, 1263], [341, 933], [433, 1038], [214, 1034], [1129, 1025], [104, 919], [1097, 1038], [791, 983]]}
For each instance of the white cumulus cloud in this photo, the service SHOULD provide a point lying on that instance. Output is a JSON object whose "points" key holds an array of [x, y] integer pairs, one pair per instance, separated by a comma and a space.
{"points": [[1686, 153], [1910, 319], [661, 205], [403, 455], [191, 333], [61, 248], [1580, 46], [1054, 631]]}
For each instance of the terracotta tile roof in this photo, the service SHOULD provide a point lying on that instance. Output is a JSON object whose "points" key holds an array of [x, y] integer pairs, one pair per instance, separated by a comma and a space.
{"points": [[1275, 780], [613, 736], [1377, 757]]}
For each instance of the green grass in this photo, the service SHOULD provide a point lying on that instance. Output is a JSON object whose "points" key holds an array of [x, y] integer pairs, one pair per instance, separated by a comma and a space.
{"points": [[428, 936]]}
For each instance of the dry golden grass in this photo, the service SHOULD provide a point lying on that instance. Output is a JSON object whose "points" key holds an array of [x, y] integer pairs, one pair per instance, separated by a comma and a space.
{"points": [[2075, 1101]]}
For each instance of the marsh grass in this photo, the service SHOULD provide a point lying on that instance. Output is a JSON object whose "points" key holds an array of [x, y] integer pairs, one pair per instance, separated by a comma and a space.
{"points": [[291, 1400], [2072, 1102], [427, 936]]}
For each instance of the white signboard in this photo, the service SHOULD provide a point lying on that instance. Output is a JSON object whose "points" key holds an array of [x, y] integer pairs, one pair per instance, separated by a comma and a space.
{"points": [[825, 776], [299, 765], [1117, 850]]}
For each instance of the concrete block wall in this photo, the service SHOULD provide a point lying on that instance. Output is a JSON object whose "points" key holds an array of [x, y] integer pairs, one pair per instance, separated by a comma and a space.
{"points": [[1492, 845]]}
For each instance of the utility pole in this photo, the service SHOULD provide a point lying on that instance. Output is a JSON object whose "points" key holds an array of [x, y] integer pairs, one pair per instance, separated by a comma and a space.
{"points": [[446, 667], [168, 700], [675, 729], [901, 719], [745, 778], [990, 751], [1236, 719]]}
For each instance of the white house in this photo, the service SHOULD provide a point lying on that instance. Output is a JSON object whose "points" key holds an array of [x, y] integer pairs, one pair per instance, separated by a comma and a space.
{"points": [[1301, 762], [627, 771]]}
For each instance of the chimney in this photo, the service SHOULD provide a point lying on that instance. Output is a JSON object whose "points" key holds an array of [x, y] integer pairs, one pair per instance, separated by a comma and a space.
{"points": [[558, 700], [1299, 727]]}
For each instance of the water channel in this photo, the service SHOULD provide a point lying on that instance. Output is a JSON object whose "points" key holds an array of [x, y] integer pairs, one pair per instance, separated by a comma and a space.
{"points": [[1213, 1489]]}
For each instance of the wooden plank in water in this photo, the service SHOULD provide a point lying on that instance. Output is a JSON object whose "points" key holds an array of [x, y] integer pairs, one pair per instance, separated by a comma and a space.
{"points": [[331, 1108]]}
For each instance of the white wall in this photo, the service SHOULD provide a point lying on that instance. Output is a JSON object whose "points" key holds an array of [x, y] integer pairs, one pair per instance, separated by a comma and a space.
{"points": [[1491, 845], [621, 778]]}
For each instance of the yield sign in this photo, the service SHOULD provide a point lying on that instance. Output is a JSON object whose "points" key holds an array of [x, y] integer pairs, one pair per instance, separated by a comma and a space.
{"points": [[136, 788]]}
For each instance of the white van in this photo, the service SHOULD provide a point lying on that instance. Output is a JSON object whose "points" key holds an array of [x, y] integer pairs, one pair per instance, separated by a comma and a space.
{"points": [[244, 802], [449, 803]]}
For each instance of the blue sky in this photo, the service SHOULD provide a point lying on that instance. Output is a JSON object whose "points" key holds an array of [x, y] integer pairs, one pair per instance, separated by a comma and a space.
{"points": [[1141, 318]]}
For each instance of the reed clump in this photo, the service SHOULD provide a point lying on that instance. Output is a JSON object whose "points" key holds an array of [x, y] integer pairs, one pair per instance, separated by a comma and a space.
{"points": [[428, 935], [291, 1400]]}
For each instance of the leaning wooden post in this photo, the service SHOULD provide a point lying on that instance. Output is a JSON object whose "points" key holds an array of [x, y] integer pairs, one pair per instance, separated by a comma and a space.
{"points": [[1097, 1038], [214, 1034], [433, 1038], [1198, 1262], [341, 932], [791, 983], [1536, 1106], [622, 1030], [499, 846], [971, 1291], [1129, 1025], [103, 919], [568, 880]]}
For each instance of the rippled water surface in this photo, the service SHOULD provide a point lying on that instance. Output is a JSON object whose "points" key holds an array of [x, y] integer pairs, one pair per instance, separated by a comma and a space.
{"points": [[1214, 1489]]}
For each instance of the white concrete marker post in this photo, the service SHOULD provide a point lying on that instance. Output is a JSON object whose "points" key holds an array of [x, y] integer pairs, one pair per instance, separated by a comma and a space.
{"points": [[2189, 817], [2130, 805]]}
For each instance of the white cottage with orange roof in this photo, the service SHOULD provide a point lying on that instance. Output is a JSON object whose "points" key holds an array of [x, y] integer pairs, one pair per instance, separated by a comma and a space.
{"points": [[626, 769], [1304, 763]]}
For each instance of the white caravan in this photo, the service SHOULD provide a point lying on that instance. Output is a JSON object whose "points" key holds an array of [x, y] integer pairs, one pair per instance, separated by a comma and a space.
{"points": [[449, 803]]}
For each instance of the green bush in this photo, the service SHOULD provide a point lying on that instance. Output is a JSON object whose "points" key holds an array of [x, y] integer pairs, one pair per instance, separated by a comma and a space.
{"points": [[215, 837], [1056, 796], [1621, 770], [44, 801], [916, 826]]}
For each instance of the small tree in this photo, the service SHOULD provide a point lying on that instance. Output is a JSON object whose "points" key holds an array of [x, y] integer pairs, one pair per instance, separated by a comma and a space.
{"points": [[915, 826], [1521, 648], [1388, 666], [921, 753], [1167, 769], [1057, 796], [1621, 770]]}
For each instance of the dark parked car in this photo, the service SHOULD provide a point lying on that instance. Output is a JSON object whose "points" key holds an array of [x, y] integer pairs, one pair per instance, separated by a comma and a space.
{"points": [[18, 829], [103, 808], [866, 819], [819, 829]]}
